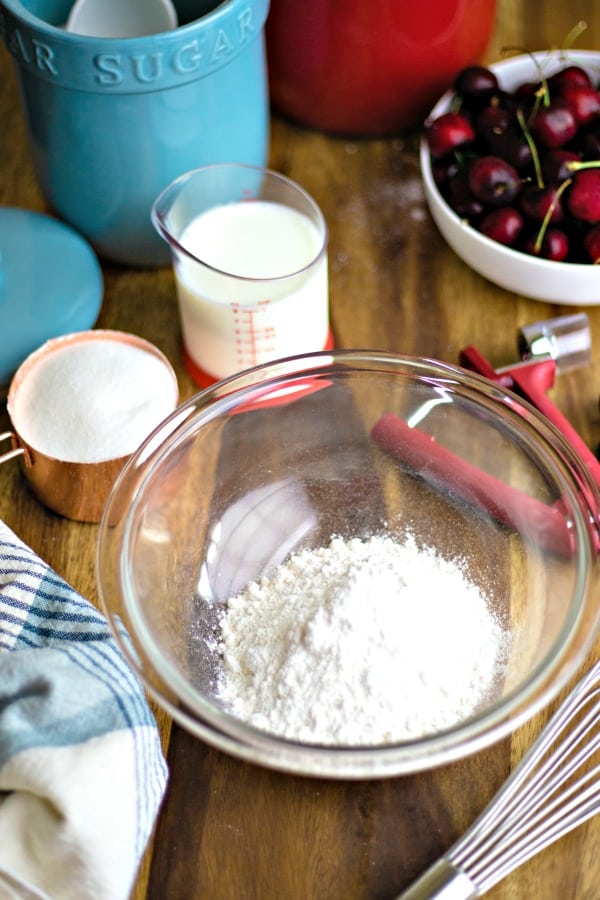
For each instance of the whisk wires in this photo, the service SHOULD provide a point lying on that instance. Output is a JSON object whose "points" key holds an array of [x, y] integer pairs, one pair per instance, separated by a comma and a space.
{"points": [[552, 791]]}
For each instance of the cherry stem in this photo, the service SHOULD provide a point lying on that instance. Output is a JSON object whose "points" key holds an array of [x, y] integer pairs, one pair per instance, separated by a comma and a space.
{"points": [[540, 97], [575, 165], [544, 91], [534, 152], [574, 33], [546, 220]]}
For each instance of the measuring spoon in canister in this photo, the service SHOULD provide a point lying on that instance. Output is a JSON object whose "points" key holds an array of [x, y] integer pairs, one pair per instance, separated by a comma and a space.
{"points": [[121, 18]]}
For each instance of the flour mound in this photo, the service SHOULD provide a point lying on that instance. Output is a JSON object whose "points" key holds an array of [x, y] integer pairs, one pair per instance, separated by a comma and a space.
{"points": [[359, 643]]}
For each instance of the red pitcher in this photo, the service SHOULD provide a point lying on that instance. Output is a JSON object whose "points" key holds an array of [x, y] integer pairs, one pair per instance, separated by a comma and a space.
{"points": [[370, 67]]}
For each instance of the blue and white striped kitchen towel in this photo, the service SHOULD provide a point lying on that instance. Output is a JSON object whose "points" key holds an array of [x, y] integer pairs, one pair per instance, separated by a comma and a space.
{"points": [[82, 773]]}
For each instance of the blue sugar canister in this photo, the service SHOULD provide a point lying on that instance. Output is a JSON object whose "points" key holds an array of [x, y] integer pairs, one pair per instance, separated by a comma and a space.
{"points": [[112, 121]]}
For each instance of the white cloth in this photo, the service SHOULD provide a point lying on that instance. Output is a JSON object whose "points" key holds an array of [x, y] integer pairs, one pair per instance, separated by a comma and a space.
{"points": [[82, 773]]}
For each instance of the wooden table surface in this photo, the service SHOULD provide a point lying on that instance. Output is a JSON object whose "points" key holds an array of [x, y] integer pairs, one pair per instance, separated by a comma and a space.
{"points": [[231, 830]]}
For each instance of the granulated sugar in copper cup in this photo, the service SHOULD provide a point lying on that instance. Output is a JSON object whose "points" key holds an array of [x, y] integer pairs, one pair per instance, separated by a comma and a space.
{"points": [[79, 406]]}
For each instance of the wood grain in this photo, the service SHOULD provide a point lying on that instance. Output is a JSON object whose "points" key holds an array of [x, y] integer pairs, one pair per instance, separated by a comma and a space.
{"points": [[232, 830]]}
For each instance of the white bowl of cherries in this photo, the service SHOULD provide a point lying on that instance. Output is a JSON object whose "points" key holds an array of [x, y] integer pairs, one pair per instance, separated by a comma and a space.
{"points": [[510, 160]]}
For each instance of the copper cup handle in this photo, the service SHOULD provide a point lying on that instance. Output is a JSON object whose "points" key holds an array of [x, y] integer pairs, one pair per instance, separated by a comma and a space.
{"points": [[17, 449]]}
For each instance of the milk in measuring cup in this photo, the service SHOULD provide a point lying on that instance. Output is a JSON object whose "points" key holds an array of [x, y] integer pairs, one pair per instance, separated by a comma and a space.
{"points": [[254, 288]]}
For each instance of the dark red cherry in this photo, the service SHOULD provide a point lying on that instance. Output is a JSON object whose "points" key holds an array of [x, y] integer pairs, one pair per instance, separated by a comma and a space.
{"points": [[447, 133], [554, 164], [503, 225], [570, 76], [591, 243], [590, 146], [492, 121], [554, 245], [476, 85], [518, 152], [554, 125], [492, 180], [444, 169], [538, 202], [460, 197], [583, 101], [524, 94], [499, 131], [583, 199]]}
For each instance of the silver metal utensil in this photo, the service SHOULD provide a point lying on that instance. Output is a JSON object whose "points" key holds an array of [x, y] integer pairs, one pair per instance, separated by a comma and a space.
{"points": [[116, 19], [554, 789]]}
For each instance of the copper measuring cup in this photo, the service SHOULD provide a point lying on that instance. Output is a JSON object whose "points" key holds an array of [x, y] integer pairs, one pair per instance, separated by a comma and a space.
{"points": [[76, 490]]}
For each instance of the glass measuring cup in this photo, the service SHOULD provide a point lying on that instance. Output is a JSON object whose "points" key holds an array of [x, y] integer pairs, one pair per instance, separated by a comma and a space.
{"points": [[249, 253]]}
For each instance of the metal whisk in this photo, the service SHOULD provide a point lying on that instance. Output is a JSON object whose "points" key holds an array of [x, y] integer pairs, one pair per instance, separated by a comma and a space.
{"points": [[552, 791]]}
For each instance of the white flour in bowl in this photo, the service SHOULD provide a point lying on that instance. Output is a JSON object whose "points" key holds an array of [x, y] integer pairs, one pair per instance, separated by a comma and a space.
{"points": [[359, 642]]}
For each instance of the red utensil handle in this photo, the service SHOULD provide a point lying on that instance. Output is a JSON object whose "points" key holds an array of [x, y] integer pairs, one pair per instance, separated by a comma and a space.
{"points": [[545, 524], [528, 383]]}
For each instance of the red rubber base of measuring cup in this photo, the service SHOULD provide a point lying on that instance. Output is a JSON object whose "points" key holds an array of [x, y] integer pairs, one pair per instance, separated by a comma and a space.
{"points": [[205, 379]]}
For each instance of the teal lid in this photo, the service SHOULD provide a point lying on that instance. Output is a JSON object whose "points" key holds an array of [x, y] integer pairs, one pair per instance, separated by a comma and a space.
{"points": [[50, 284]]}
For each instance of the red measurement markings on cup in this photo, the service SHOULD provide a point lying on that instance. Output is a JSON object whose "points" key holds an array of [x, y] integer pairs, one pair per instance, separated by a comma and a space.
{"points": [[255, 339]]}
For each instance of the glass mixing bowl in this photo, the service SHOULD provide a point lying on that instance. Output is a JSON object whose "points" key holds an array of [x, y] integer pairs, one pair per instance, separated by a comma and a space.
{"points": [[352, 444]]}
